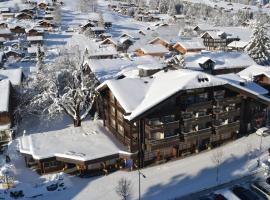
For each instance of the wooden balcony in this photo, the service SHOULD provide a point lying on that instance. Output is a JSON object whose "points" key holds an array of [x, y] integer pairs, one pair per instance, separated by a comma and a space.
{"points": [[194, 119], [195, 134], [228, 100], [230, 127], [196, 106], [149, 129], [153, 144], [231, 113]]}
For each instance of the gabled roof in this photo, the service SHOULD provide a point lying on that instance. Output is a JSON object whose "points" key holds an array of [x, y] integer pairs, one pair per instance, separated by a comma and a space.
{"points": [[152, 49], [254, 70], [238, 44], [190, 43], [223, 60]]}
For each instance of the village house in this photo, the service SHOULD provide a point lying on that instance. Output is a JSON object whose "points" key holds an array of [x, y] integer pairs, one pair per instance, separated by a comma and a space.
{"points": [[7, 16], [189, 45], [18, 30], [218, 62], [217, 40], [152, 50], [3, 25], [162, 42], [35, 40], [192, 112], [43, 153], [23, 16], [237, 46], [34, 32], [96, 31], [6, 33], [42, 5]]}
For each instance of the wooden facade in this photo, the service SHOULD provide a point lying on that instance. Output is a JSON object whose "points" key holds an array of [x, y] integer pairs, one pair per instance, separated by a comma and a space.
{"points": [[188, 122]]}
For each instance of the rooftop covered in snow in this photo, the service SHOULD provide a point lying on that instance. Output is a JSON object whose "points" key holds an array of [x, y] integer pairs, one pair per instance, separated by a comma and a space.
{"points": [[5, 94], [89, 142]]}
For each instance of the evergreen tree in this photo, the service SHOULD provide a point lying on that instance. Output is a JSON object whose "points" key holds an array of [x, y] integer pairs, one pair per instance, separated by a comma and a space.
{"points": [[163, 6], [259, 46], [172, 10], [40, 56]]}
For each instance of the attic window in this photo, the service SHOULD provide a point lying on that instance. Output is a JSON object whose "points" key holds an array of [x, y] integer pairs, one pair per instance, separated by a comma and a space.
{"points": [[203, 80]]}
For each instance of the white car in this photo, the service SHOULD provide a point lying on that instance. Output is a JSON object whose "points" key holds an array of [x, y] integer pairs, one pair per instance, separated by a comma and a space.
{"points": [[264, 131]]}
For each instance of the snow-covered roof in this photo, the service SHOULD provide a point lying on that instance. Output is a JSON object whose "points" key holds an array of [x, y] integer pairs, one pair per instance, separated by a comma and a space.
{"points": [[14, 75], [248, 86], [107, 50], [5, 94], [34, 49], [89, 142], [238, 44], [191, 43], [254, 70], [35, 38], [203, 60], [223, 60], [4, 31], [148, 92], [106, 69], [152, 49]]}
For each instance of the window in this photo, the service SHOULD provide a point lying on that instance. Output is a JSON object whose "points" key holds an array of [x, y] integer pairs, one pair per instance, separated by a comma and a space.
{"points": [[121, 129], [168, 118], [113, 123], [112, 110], [51, 164], [120, 116]]}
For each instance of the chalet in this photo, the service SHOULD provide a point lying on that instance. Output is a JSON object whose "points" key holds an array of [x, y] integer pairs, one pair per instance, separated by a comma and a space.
{"points": [[87, 25], [107, 24], [3, 25], [218, 62], [5, 112], [5, 10], [176, 113], [48, 17], [28, 11], [7, 16], [120, 44], [34, 32], [178, 18], [160, 41], [34, 40], [14, 54], [102, 52], [6, 33], [43, 153], [133, 36], [214, 40], [19, 30], [45, 24], [152, 50], [42, 5], [105, 36], [237, 45], [189, 45], [23, 16], [97, 31]]}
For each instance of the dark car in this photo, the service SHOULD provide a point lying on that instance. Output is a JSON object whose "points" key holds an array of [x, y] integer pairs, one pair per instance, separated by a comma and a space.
{"points": [[244, 194], [219, 197]]}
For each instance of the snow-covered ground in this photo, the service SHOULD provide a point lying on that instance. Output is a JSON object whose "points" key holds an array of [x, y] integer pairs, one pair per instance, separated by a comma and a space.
{"points": [[166, 181]]}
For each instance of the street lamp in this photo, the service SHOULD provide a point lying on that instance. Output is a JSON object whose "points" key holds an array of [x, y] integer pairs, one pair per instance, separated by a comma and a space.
{"points": [[140, 174]]}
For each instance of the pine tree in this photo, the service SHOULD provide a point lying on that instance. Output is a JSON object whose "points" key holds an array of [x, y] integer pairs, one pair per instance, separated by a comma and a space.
{"points": [[40, 56], [259, 46], [163, 6], [172, 10]]}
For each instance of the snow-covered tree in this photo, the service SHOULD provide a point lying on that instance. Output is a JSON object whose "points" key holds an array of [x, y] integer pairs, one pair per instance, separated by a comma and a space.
{"points": [[40, 58], [217, 159], [87, 5], [57, 15], [172, 10], [259, 46], [123, 189], [60, 88], [163, 6]]}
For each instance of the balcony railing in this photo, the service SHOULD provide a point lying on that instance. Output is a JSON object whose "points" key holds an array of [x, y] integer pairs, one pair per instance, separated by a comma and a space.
{"points": [[222, 113], [166, 142], [195, 134], [194, 106], [228, 100], [234, 126], [199, 118], [161, 127]]}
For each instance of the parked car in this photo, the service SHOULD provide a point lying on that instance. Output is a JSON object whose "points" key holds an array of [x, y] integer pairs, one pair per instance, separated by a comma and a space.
{"points": [[264, 131], [244, 193], [262, 187], [225, 194]]}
